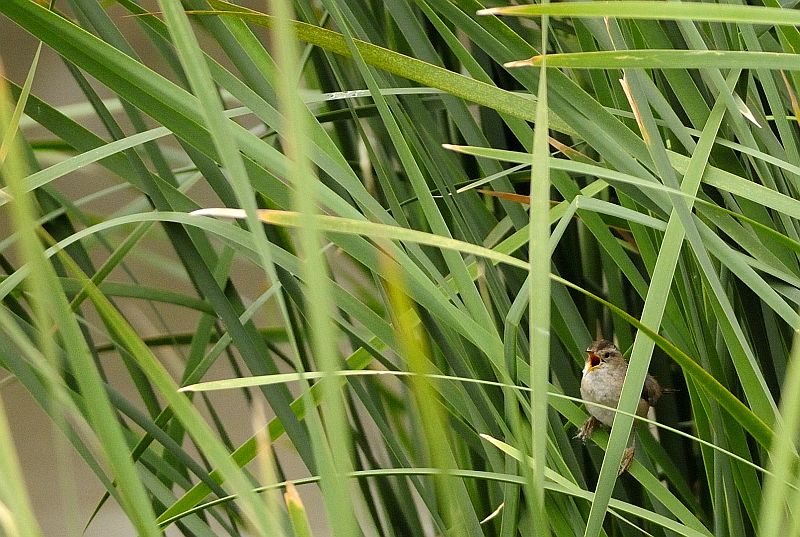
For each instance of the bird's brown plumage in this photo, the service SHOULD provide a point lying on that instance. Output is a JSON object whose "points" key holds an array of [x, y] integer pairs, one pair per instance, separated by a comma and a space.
{"points": [[603, 376]]}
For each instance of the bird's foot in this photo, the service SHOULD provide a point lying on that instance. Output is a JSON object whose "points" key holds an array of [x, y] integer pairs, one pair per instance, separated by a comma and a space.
{"points": [[627, 459], [586, 430]]}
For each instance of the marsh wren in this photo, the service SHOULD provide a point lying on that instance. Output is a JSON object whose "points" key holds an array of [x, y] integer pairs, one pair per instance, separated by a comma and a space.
{"points": [[602, 380]]}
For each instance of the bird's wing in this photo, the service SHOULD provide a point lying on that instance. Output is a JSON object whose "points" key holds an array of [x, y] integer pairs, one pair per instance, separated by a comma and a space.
{"points": [[652, 390]]}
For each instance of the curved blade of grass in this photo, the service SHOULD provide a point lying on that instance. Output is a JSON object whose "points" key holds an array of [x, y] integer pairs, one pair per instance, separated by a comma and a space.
{"points": [[656, 11], [667, 59]]}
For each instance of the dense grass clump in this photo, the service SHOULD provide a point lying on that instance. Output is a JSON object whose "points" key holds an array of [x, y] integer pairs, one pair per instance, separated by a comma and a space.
{"points": [[390, 229]]}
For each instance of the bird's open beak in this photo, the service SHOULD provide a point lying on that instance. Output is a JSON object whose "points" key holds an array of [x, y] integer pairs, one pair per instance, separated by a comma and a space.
{"points": [[592, 361]]}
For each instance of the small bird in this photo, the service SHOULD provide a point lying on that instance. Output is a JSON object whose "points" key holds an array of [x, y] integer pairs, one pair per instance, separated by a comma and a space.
{"points": [[602, 380]]}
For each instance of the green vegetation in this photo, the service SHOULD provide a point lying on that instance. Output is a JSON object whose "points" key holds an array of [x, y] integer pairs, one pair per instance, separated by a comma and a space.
{"points": [[439, 218]]}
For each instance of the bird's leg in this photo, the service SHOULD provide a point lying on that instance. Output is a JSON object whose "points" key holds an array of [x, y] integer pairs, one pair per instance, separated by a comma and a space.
{"points": [[586, 430], [627, 457]]}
